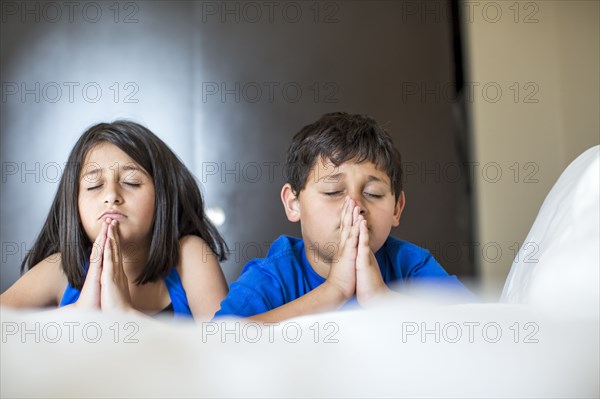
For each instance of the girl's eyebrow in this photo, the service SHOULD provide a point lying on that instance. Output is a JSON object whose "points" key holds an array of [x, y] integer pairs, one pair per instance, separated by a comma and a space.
{"points": [[92, 171], [134, 167], [126, 168]]}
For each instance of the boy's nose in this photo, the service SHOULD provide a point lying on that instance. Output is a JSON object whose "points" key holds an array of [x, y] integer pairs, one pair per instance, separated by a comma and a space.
{"points": [[358, 201]]}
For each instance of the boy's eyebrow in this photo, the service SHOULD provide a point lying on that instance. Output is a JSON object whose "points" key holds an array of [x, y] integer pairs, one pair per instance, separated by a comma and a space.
{"points": [[334, 176], [370, 178], [376, 179]]}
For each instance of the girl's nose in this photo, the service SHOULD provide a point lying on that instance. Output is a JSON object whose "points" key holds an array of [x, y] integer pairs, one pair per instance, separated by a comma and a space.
{"points": [[113, 196]]}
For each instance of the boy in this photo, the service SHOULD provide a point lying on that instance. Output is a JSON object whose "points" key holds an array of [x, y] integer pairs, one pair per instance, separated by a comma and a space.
{"points": [[345, 187]]}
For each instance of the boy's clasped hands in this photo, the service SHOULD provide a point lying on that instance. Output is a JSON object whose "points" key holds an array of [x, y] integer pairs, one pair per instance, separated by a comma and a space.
{"points": [[354, 270], [106, 285]]}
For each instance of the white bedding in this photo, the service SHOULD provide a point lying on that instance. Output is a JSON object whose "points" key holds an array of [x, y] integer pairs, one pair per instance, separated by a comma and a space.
{"points": [[487, 350], [558, 266], [544, 342]]}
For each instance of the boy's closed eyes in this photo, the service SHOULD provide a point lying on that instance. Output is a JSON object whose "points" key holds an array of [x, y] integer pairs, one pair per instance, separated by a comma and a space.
{"points": [[319, 204], [374, 186]]}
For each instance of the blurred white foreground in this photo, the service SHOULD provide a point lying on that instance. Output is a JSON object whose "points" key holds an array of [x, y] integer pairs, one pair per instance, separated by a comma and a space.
{"points": [[542, 341], [487, 350]]}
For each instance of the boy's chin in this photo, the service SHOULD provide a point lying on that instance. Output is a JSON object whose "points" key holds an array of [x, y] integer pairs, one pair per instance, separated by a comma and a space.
{"points": [[376, 245], [374, 249]]}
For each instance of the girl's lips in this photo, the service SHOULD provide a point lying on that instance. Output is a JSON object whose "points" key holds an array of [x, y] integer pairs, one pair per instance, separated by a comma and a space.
{"points": [[114, 216]]}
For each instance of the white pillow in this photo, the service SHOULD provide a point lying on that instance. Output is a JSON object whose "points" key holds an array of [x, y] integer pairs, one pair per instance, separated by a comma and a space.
{"points": [[564, 239]]}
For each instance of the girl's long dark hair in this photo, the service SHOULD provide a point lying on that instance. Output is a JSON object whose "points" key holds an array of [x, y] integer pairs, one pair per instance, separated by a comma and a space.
{"points": [[179, 208]]}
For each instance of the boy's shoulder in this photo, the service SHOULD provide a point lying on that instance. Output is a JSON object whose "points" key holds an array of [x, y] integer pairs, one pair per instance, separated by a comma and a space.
{"points": [[285, 261], [399, 259], [395, 246], [283, 251], [286, 246]]}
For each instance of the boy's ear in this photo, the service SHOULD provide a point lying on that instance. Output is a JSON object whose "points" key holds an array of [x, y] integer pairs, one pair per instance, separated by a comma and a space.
{"points": [[398, 209], [291, 204]]}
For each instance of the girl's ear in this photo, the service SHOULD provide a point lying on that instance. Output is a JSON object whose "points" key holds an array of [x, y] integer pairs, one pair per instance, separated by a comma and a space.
{"points": [[291, 204], [398, 209]]}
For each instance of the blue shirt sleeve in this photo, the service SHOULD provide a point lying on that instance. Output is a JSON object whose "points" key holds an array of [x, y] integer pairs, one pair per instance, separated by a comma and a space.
{"points": [[419, 268], [255, 292]]}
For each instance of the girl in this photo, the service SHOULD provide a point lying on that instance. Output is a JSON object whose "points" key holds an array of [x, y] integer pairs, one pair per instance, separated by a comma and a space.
{"points": [[126, 230]]}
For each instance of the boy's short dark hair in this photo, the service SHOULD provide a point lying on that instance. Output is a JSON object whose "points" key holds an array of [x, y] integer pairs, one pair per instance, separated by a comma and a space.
{"points": [[342, 137]]}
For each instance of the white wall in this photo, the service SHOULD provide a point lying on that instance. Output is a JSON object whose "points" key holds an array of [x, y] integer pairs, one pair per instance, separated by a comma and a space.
{"points": [[551, 49]]}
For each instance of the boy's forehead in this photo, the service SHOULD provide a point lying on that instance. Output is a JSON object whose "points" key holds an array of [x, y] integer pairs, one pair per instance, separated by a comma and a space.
{"points": [[324, 170]]}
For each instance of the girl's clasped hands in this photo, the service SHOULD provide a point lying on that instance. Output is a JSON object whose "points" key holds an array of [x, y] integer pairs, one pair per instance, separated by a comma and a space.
{"points": [[106, 285]]}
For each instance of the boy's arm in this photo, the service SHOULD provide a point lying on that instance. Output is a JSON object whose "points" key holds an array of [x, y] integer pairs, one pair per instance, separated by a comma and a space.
{"points": [[325, 297], [259, 296]]}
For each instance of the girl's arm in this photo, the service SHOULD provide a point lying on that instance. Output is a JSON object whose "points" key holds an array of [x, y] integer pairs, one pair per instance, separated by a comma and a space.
{"points": [[42, 286], [202, 278]]}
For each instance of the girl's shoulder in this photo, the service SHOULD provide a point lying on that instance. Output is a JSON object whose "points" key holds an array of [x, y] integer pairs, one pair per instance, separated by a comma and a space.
{"points": [[194, 247], [42, 285], [201, 277], [194, 252]]}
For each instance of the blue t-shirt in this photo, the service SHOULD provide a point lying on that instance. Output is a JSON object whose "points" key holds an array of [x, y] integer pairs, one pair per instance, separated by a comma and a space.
{"points": [[285, 275], [181, 308]]}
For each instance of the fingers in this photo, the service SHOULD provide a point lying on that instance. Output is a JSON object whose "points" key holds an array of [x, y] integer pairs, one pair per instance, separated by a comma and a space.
{"points": [[345, 221], [90, 292], [98, 245], [352, 239], [364, 232], [344, 205], [355, 213], [115, 243], [364, 249], [112, 248], [108, 256], [349, 216], [98, 252], [117, 254], [111, 251]]}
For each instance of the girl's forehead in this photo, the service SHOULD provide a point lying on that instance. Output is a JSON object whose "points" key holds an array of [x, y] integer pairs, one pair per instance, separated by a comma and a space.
{"points": [[104, 156], [106, 153]]}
